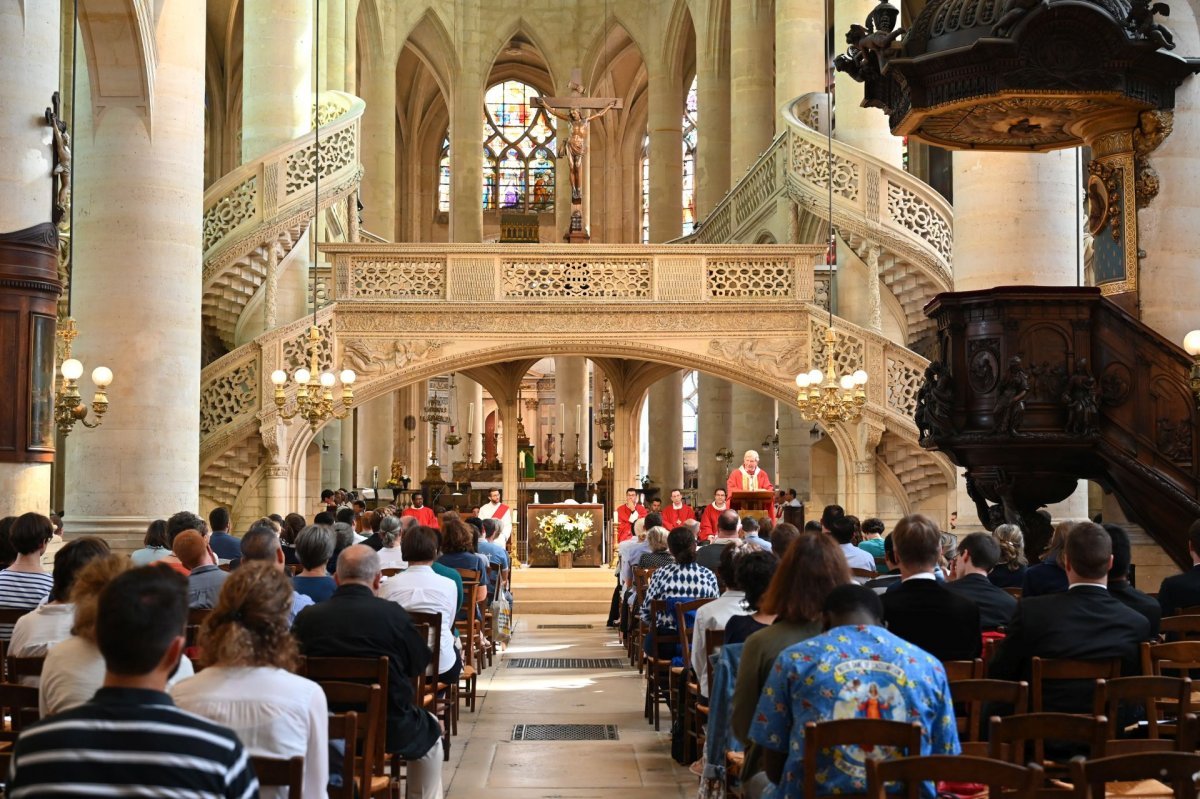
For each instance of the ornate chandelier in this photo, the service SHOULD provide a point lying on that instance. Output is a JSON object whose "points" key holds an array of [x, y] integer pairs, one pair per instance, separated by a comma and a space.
{"points": [[68, 410], [825, 397], [314, 389]]}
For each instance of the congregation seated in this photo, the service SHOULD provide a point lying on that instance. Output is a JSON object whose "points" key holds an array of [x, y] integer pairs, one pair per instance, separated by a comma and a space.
{"points": [[176, 524], [34, 633], [1048, 576], [630, 551], [976, 557], [380, 628], [716, 614], [24, 583], [886, 580], [753, 571], [728, 526], [872, 541], [782, 536], [683, 579], [314, 547], [1085, 622], [391, 529], [1118, 579], [261, 544], [753, 530], [154, 545], [368, 523], [811, 568], [139, 633], [420, 589], [204, 575], [922, 610], [7, 553], [855, 663], [248, 684], [1009, 571], [489, 544], [226, 546], [1183, 590], [842, 530], [290, 527], [343, 518], [658, 554], [458, 552]]}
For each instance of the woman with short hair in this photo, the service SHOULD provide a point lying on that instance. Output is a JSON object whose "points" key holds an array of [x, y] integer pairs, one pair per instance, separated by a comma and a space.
{"points": [[314, 547], [658, 555], [155, 545], [249, 685], [390, 552]]}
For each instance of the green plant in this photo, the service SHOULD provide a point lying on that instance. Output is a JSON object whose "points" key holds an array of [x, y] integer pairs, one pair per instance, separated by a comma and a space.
{"points": [[563, 533]]}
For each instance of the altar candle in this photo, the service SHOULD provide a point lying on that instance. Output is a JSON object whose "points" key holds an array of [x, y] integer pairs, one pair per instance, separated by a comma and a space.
{"points": [[470, 418], [578, 418], [562, 415]]}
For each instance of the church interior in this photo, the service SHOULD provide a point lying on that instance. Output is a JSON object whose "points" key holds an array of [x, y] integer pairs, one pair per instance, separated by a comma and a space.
{"points": [[921, 257]]}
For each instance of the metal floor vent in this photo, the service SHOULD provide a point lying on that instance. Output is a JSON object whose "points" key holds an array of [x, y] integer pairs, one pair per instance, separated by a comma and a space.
{"points": [[564, 663], [565, 626], [565, 732]]}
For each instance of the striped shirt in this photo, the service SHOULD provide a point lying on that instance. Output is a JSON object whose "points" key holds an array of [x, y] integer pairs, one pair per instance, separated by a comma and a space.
{"points": [[22, 590], [130, 742]]}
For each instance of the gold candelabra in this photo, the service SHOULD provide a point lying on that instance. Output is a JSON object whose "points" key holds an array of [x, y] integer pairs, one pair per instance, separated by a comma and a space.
{"points": [[826, 398], [68, 409], [314, 389]]}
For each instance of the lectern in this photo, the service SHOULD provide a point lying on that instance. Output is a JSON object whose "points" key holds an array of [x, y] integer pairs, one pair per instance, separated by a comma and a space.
{"points": [[759, 504]]}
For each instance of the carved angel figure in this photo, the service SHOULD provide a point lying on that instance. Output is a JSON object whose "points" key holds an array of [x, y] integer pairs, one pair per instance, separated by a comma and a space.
{"points": [[1141, 23], [1080, 398]]}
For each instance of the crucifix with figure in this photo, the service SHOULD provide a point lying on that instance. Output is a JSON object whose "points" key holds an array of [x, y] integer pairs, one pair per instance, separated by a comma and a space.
{"points": [[577, 111]]}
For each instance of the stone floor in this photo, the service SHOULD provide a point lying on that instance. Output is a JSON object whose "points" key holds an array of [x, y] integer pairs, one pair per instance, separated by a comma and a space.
{"points": [[485, 762]]}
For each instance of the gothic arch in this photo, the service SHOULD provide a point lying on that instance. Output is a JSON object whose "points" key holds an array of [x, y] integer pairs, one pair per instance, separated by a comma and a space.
{"points": [[120, 45], [431, 43], [495, 45], [679, 46]]}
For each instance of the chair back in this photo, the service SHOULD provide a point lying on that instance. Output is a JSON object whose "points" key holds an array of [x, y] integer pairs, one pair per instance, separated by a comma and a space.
{"points": [[1177, 769], [367, 750], [20, 704], [1180, 627], [641, 581], [963, 669], [344, 727], [1008, 737], [18, 667], [975, 700], [1190, 610], [365, 671], [1171, 659], [1157, 696], [854, 732], [285, 772], [684, 623], [1002, 779], [195, 620], [429, 626], [713, 641], [1015, 593], [655, 639], [863, 574], [390, 571], [1055, 669]]}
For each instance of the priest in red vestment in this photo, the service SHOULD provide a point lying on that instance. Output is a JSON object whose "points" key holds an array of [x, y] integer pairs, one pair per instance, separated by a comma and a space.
{"points": [[424, 515], [627, 514], [708, 519], [748, 477], [495, 509], [675, 514]]}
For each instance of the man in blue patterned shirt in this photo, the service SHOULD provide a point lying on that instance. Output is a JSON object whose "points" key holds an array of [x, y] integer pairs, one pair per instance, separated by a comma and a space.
{"points": [[856, 669]]}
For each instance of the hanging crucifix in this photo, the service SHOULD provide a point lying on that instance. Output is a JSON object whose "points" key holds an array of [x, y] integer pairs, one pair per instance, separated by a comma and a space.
{"points": [[577, 111]]}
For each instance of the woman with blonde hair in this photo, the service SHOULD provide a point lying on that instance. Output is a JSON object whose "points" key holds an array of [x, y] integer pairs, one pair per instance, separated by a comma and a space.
{"points": [[658, 555], [1048, 577], [1009, 571], [248, 685]]}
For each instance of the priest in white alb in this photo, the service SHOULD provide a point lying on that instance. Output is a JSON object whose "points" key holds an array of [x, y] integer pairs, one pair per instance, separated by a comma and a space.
{"points": [[749, 477], [495, 509]]}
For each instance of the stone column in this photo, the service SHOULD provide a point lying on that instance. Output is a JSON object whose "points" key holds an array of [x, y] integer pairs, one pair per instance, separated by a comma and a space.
{"points": [[666, 434], [351, 80], [570, 391], [714, 430], [29, 55], [468, 415], [379, 151], [143, 196], [330, 442], [795, 452], [277, 95], [712, 122], [799, 51], [405, 446], [752, 84], [666, 158], [346, 475], [374, 431], [276, 477], [333, 48], [466, 115], [753, 420], [864, 128]]}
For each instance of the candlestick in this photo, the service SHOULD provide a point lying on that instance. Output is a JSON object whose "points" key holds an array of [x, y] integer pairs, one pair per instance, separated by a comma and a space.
{"points": [[470, 418], [578, 418]]}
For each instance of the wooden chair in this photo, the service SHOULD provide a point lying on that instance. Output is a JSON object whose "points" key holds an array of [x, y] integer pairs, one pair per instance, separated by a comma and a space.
{"points": [[963, 669], [1013, 592], [363, 671], [1056, 669], [691, 693], [658, 670], [1180, 628], [1156, 695], [976, 700], [1009, 738], [367, 700], [433, 695], [282, 772], [1190, 610], [468, 626], [19, 703], [1172, 659], [1177, 768], [713, 641], [18, 667], [344, 727], [990, 646], [637, 628], [391, 571], [195, 620], [1002, 779], [857, 732], [863, 574], [8, 617]]}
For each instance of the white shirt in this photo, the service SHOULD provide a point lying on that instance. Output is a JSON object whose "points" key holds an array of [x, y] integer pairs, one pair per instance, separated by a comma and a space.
{"points": [[488, 511], [392, 558], [74, 670], [422, 589], [273, 712], [858, 558], [36, 632], [713, 616]]}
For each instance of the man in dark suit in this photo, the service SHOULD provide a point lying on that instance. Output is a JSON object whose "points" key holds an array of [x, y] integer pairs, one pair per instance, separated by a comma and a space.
{"points": [[1183, 590], [921, 610], [977, 554], [1085, 622], [1118, 579], [356, 623]]}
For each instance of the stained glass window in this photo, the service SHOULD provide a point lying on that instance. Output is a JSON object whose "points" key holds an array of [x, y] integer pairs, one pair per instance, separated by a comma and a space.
{"points": [[646, 188], [444, 178], [518, 150], [690, 116], [691, 408]]}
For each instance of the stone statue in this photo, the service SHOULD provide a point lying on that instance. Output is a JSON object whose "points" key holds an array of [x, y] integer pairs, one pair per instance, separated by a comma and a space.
{"points": [[1009, 411], [1140, 22], [62, 158], [866, 44], [1013, 11], [574, 146], [934, 401], [1080, 399]]}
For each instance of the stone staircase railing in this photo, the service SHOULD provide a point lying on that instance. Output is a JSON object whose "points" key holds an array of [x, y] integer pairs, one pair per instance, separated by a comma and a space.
{"points": [[267, 204]]}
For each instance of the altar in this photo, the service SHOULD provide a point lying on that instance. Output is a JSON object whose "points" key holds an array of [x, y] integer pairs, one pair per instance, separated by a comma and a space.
{"points": [[594, 548]]}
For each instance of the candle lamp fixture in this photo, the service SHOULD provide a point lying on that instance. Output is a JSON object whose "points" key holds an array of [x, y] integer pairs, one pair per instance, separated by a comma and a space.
{"points": [[69, 410], [725, 456], [434, 414], [314, 388], [578, 463], [1191, 343], [771, 443]]}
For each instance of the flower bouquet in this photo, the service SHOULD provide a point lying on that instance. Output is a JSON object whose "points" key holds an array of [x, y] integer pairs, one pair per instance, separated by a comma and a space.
{"points": [[564, 535]]}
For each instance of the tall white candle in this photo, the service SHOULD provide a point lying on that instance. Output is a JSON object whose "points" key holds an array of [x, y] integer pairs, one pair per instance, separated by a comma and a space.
{"points": [[562, 415], [470, 418], [578, 418]]}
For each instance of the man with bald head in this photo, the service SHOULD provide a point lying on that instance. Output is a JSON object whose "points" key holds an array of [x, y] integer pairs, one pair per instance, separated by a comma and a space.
{"points": [[728, 527], [354, 622]]}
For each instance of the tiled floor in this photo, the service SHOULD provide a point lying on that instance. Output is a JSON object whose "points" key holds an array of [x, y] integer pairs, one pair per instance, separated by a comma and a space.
{"points": [[484, 762]]}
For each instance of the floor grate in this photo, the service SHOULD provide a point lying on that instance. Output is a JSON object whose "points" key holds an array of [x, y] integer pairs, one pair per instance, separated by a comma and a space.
{"points": [[565, 663], [564, 626], [565, 732]]}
